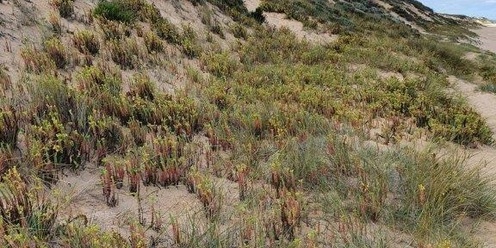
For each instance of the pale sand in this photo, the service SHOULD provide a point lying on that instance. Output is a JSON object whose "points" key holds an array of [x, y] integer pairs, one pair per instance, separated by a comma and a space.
{"points": [[487, 37], [485, 104]]}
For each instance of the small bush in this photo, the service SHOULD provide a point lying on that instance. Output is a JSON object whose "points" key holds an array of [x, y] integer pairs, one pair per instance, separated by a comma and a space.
{"points": [[86, 42], [65, 7], [37, 61], [9, 127], [56, 50], [239, 31], [5, 81], [220, 64], [126, 53], [25, 206], [114, 11], [54, 20], [153, 42], [167, 31]]}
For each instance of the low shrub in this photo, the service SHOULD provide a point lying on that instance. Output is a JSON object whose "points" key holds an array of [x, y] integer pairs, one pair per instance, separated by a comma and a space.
{"points": [[65, 7], [152, 42], [57, 51], [86, 42], [167, 31], [37, 61], [25, 207], [125, 53], [115, 11]]}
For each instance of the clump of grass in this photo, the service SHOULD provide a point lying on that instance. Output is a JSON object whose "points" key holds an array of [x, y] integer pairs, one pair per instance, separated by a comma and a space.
{"points": [[65, 7], [37, 61], [125, 53], [488, 87], [435, 199], [167, 31], [114, 11], [219, 64], [5, 81], [54, 20], [9, 127], [239, 31], [189, 42], [26, 206], [86, 42], [57, 52], [153, 42]]}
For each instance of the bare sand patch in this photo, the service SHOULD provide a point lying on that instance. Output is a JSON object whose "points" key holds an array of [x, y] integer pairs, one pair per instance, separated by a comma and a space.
{"points": [[484, 104], [279, 20], [252, 5], [487, 38]]}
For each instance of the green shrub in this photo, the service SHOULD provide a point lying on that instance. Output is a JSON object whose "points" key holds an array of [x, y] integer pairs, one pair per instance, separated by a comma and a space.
{"points": [[219, 64], [57, 51], [153, 42], [115, 11], [65, 7], [239, 31], [167, 31], [5, 81], [86, 42], [25, 208], [125, 53], [9, 127], [37, 61]]}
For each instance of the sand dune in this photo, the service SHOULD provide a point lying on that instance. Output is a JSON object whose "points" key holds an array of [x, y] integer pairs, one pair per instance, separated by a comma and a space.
{"points": [[487, 38]]}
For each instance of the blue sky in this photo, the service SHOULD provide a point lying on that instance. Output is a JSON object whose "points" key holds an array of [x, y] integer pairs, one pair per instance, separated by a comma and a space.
{"points": [[476, 8]]}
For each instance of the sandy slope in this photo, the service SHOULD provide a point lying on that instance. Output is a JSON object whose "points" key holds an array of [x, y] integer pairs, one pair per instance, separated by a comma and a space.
{"points": [[487, 38], [279, 20], [485, 104]]}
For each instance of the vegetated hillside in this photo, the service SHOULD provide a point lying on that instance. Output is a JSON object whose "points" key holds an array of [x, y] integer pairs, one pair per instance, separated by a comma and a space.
{"points": [[136, 123]]}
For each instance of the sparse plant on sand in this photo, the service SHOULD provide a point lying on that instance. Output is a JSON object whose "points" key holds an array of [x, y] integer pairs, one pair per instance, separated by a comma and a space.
{"points": [[86, 42]]}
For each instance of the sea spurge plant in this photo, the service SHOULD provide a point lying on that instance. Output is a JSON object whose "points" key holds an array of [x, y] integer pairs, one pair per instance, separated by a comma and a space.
{"points": [[133, 171], [56, 145], [25, 205], [137, 238], [124, 52], [167, 31], [92, 80], [107, 181], [142, 87], [65, 7], [57, 52], [9, 127], [152, 42], [86, 42], [291, 213], [116, 165], [106, 132], [242, 174], [37, 61], [7, 159], [282, 178], [5, 80], [209, 196], [169, 152]]}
